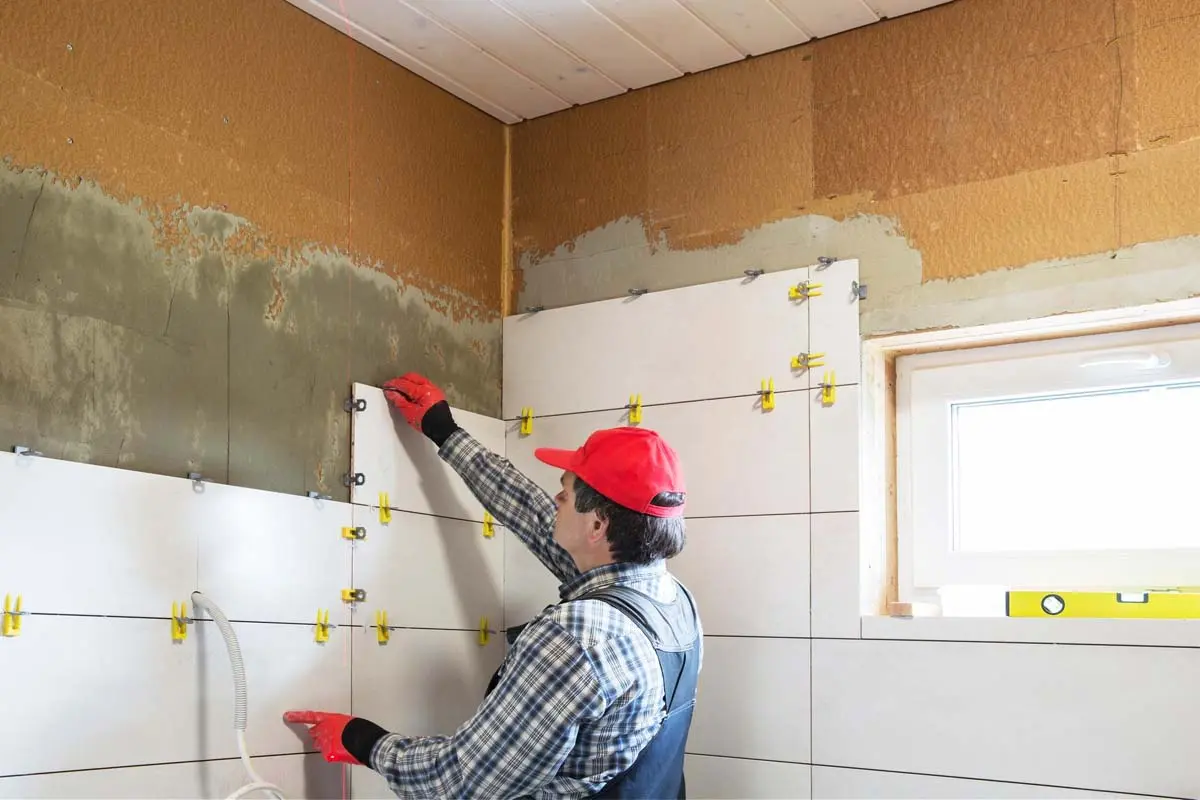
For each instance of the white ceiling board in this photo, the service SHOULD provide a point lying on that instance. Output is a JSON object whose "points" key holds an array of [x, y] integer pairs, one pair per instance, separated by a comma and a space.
{"points": [[458, 58], [518, 59], [590, 35], [502, 33], [825, 18], [897, 8], [671, 30], [753, 26]]}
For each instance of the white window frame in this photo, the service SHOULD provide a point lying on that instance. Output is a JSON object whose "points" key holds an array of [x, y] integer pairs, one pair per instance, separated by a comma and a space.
{"points": [[926, 383]]}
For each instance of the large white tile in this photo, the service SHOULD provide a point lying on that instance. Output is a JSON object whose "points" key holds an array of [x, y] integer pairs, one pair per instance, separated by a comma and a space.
{"points": [[297, 775], [744, 779], [753, 699], [1048, 630], [269, 557], [429, 572], [834, 783], [694, 343], [749, 575], [833, 321], [834, 467], [1073, 716], [836, 603], [423, 682], [392, 457], [528, 586], [82, 693], [286, 669], [737, 459], [82, 539]]}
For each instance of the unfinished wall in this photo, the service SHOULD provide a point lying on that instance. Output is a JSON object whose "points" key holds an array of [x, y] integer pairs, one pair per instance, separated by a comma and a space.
{"points": [[216, 215], [983, 159]]}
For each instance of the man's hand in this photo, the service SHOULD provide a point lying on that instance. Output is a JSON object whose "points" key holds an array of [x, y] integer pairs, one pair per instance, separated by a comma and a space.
{"points": [[326, 733], [423, 405]]}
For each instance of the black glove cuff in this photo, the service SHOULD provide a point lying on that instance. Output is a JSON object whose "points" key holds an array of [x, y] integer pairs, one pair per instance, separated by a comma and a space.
{"points": [[360, 736], [438, 423]]}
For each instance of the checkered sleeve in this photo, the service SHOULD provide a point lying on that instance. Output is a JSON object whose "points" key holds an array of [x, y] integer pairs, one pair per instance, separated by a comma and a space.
{"points": [[514, 500], [520, 736]]}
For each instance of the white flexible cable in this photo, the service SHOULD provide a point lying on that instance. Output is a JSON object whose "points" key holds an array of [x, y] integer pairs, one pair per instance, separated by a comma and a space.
{"points": [[256, 784]]}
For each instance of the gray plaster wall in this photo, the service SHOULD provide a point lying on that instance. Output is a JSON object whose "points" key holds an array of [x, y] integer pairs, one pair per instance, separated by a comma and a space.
{"points": [[116, 349], [607, 262]]}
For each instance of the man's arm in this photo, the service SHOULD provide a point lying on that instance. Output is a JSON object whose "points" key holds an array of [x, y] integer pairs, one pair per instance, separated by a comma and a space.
{"points": [[514, 500], [515, 744]]}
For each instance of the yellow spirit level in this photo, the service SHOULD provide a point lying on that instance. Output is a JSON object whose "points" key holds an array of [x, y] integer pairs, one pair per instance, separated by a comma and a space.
{"points": [[1104, 605]]}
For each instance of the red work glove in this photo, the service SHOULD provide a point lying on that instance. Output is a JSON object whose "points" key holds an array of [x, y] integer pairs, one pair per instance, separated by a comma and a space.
{"points": [[326, 733], [423, 405], [414, 395]]}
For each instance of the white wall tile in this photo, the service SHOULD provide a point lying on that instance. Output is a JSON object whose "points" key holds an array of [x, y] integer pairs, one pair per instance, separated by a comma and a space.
{"points": [[753, 699], [286, 669], [1073, 716], [833, 783], [717, 778], [836, 605], [266, 556], [298, 776], [528, 586], [749, 575], [81, 693], [84, 539], [429, 572], [399, 460], [737, 459], [423, 682], [833, 321], [694, 343], [834, 467]]}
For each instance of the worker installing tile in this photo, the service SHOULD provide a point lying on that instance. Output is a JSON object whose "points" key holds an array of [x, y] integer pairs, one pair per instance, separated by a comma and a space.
{"points": [[504, 398]]}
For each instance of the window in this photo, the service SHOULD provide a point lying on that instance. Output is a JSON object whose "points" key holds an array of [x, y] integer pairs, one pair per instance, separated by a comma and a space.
{"points": [[1071, 463]]}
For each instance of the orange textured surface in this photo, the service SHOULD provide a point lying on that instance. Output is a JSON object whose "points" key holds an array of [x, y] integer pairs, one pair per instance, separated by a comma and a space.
{"points": [[992, 131], [243, 104]]}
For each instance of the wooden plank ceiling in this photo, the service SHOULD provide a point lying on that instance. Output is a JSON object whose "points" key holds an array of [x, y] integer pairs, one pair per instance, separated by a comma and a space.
{"points": [[518, 59]]}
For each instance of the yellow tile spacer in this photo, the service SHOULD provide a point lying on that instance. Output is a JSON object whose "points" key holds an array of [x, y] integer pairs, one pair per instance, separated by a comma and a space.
{"points": [[11, 625], [828, 389], [767, 393], [354, 595], [489, 526], [635, 409], [808, 360], [179, 622], [483, 631], [383, 633], [804, 290], [385, 509], [526, 421], [356, 533], [322, 627]]}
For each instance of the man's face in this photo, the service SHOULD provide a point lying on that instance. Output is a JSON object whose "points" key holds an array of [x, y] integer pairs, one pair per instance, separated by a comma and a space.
{"points": [[581, 535]]}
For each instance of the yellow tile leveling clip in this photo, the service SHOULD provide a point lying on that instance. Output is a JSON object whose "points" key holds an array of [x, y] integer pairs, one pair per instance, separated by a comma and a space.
{"points": [[1104, 605], [11, 626]]}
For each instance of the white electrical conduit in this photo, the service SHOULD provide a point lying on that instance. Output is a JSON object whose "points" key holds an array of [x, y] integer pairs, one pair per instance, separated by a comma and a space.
{"points": [[256, 784]]}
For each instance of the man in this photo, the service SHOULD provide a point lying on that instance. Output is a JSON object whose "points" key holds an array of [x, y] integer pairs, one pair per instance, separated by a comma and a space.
{"points": [[595, 695]]}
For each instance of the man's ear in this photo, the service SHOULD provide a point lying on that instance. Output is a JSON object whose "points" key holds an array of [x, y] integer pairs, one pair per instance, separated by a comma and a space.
{"points": [[597, 528]]}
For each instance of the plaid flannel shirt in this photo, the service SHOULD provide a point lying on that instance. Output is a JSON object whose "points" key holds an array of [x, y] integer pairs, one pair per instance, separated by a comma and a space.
{"points": [[581, 692]]}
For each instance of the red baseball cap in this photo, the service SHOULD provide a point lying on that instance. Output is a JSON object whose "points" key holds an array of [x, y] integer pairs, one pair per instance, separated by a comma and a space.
{"points": [[630, 466]]}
